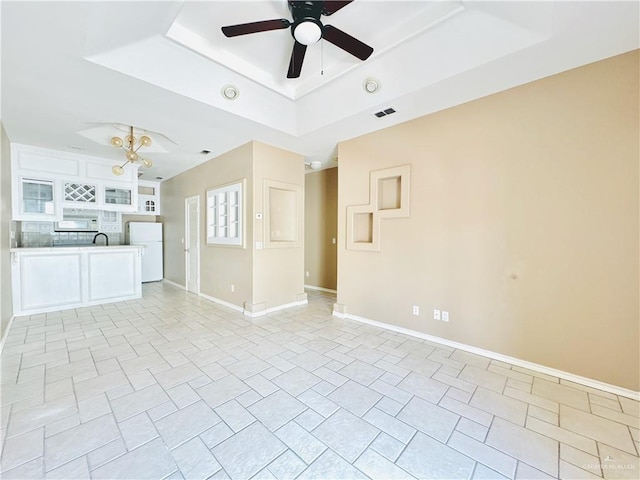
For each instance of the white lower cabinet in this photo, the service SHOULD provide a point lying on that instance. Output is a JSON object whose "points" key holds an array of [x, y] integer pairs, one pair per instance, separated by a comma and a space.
{"points": [[49, 279], [112, 275], [110, 222]]}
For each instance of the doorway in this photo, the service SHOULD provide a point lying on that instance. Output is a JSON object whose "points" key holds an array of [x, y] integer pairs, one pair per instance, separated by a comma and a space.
{"points": [[192, 243]]}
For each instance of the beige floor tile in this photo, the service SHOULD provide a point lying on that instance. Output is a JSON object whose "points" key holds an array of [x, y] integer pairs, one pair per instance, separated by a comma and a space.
{"points": [[542, 414], [584, 388], [561, 394], [512, 374], [611, 404], [483, 378], [376, 466], [470, 359], [631, 407], [581, 459], [467, 411], [532, 399], [499, 405], [569, 471], [597, 428], [618, 464], [22, 448], [492, 458], [170, 365], [631, 420], [472, 429], [526, 445], [565, 436]]}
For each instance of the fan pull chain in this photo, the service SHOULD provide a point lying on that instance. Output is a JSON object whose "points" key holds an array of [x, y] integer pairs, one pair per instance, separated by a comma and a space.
{"points": [[321, 56]]}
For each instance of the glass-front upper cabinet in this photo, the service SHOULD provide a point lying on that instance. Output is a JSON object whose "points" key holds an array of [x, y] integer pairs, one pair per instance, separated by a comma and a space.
{"points": [[37, 198], [80, 193], [117, 196], [148, 198]]}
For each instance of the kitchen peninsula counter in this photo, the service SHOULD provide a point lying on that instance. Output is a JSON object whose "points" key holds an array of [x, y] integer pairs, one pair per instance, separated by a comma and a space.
{"points": [[47, 279]]}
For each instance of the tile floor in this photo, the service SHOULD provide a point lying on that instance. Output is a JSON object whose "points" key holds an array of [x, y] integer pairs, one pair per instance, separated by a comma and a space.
{"points": [[173, 386]]}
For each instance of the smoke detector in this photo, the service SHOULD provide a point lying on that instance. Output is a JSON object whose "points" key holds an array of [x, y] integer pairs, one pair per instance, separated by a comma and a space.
{"points": [[315, 165]]}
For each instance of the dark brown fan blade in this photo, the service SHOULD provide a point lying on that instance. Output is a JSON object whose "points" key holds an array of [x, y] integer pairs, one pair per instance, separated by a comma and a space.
{"points": [[346, 42], [332, 6], [297, 57], [255, 27]]}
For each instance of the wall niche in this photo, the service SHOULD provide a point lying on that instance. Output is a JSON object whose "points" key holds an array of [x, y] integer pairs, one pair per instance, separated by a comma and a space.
{"points": [[283, 215], [388, 198]]}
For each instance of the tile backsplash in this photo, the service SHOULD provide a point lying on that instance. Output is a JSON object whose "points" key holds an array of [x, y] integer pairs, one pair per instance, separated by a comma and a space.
{"points": [[42, 234]]}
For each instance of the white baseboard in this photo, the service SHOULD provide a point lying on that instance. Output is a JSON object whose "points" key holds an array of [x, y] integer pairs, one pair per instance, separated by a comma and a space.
{"points": [[321, 289], [588, 382], [174, 284], [238, 308], [222, 302], [6, 333], [275, 309]]}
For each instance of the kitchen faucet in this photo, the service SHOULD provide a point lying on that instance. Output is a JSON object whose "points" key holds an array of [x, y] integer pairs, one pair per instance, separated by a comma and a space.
{"points": [[105, 237]]}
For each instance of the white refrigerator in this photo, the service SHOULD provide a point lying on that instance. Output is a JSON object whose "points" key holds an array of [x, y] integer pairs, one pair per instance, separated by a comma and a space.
{"points": [[150, 235]]}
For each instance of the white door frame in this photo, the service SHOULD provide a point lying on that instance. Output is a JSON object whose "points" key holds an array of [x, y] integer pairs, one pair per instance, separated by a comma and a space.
{"points": [[187, 240]]}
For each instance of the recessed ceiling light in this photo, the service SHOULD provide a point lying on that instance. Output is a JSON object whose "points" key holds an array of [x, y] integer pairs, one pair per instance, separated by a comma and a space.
{"points": [[230, 92], [371, 85]]}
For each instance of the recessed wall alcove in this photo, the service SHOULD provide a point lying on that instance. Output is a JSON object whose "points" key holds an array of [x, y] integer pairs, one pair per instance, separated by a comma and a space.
{"points": [[388, 198]]}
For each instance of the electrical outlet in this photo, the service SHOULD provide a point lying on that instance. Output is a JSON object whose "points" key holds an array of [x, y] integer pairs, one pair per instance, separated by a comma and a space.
{"points": [[445, 316], [306, 274], [436, 314], [233, 288], [416, 310]]}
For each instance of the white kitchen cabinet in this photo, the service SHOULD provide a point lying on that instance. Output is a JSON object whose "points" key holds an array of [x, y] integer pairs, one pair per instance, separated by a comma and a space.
{"points": [[110, 222], [80, 194], [50, 279], [67, 180], [35, 199], [148, 197], [118, 198]]}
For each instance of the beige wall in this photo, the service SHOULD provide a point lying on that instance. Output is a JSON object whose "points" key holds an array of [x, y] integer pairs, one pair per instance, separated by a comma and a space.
{"points": [[278, 272], [6, 305], [524, 223], [262, 278], [321, 227], [220, 266]]}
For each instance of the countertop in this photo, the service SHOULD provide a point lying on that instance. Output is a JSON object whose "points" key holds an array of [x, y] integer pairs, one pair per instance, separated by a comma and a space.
{"points": [[75, 248]]}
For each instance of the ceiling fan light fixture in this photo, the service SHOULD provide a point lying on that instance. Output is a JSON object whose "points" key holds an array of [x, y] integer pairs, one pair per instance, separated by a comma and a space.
{"points": [[306, 29], [371, 85], [307, 32], [230, 92]]}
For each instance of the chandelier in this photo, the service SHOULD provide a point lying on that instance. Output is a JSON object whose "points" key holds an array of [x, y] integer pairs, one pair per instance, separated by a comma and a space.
{"points": [[130, 144]]}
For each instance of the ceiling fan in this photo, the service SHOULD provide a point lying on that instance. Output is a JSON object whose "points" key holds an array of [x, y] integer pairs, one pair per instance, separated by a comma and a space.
{"points": [[306, 29]]}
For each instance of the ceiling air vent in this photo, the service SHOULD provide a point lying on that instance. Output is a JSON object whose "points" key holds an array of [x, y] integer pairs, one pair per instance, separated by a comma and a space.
{"points": [[385, 112]]}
